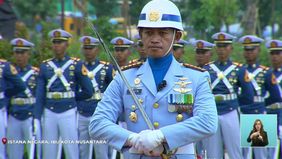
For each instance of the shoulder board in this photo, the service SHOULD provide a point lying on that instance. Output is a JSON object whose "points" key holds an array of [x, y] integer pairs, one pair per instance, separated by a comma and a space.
{"points": [[48, 60], [237, 64], [193, 67], [75, 59], [209, 63], [104, 62], [264, 67], [132, 65], [3, 60], [35, 68], [133, 61]]}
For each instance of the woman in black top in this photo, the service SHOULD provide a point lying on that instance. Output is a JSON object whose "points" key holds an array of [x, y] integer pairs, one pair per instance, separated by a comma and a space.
{"points": [[258, 136]]}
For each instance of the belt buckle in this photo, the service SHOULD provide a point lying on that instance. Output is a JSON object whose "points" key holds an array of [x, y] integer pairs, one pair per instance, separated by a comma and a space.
{"points": [[219, 98], [56, 95], [19, 101], [97, 96]]}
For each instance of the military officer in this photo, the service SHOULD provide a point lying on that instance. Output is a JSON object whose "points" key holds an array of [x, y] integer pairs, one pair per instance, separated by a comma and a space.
{"points": [[203, 50], [140, 49], [178, 50], [121, 49], [21, 105], [10, 85], [56, 95], [167, 91], [257, 75], [101, 74], [274, 101], [226, 78]]}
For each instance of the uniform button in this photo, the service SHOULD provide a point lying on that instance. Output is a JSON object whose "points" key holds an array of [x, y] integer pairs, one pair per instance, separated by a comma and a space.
{"points": [[70, 106], [156, 125], [15, 114], [51, 107], [29, 113], [179, 117], [80, 111], [133, 107], [141, 101], [156, 105], [231, 108], [256, 111]]}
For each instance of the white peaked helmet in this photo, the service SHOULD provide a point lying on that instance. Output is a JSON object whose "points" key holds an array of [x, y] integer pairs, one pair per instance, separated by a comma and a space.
{"points": [[160, 14]]}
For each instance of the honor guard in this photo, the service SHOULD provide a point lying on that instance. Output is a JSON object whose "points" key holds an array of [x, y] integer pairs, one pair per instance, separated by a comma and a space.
{"points": [[178, 50], [226, 78], [56, 95], [257, 75], [121, 49], [176, 100], [140, 49], [10, 85], [203, 50], [21, 105], [274, 101], [101, 74]]}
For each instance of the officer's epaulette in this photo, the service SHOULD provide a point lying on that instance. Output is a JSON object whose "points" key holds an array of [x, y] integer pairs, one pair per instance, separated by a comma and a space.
{"points": [[48, 60], [104, 63], [75, 58], [237, 64], [35, 68], [209, 63], [3, 60], [193, 67], [264, 67], [132, 65], [133, 61]]}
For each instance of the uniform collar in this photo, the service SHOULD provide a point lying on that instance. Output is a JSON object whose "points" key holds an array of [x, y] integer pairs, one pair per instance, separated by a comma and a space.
{"points": [[26, 68], [66, 57], [223, 63], [255, 65], [91, 63]]}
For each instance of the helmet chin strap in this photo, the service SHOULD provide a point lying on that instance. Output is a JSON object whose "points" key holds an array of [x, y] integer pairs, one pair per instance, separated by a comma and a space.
{"points": [[171, 44]]}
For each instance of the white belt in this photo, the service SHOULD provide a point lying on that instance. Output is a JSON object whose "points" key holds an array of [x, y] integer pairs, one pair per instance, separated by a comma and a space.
{"points": [[275, 106], [2, 96], [22, 101], [224, 97], [258, 99], [185, 150], [60, 95]]}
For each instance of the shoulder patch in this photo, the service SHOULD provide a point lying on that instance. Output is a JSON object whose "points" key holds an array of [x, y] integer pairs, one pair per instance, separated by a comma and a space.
{"points": [[264, 67], [132, 65], [104, 62], [193, 67], [48, 60], [237, 64]]}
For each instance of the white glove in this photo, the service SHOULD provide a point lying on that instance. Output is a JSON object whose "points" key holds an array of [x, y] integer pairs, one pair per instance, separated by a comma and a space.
{"points": [[148, 140], [132, 139]]}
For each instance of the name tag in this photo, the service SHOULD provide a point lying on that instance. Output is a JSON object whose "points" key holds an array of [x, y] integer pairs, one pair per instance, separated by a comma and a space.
{"points": [[137, 91]]}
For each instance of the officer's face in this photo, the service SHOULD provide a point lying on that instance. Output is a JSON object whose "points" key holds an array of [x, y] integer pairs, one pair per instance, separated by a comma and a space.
{"points": [[203, 57], [21, 57], [157, 41], [223, 51], [276, 58], [59, 47], [251, 55], [121, 54], [178, 53], [90, 53]]}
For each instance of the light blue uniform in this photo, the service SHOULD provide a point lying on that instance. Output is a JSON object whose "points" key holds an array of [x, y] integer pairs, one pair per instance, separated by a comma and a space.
{"points": [[182, 124]]}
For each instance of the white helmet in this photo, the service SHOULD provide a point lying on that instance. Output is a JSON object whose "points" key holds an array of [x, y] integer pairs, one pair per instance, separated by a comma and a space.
{"points": [[160, 14]]}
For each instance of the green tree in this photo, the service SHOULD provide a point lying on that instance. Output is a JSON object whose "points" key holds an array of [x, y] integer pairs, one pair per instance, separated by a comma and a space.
{"points": [[105, 8]]}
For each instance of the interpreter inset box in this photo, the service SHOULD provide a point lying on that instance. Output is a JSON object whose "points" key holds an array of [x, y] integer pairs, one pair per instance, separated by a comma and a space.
{"points": [[258, 130]]}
